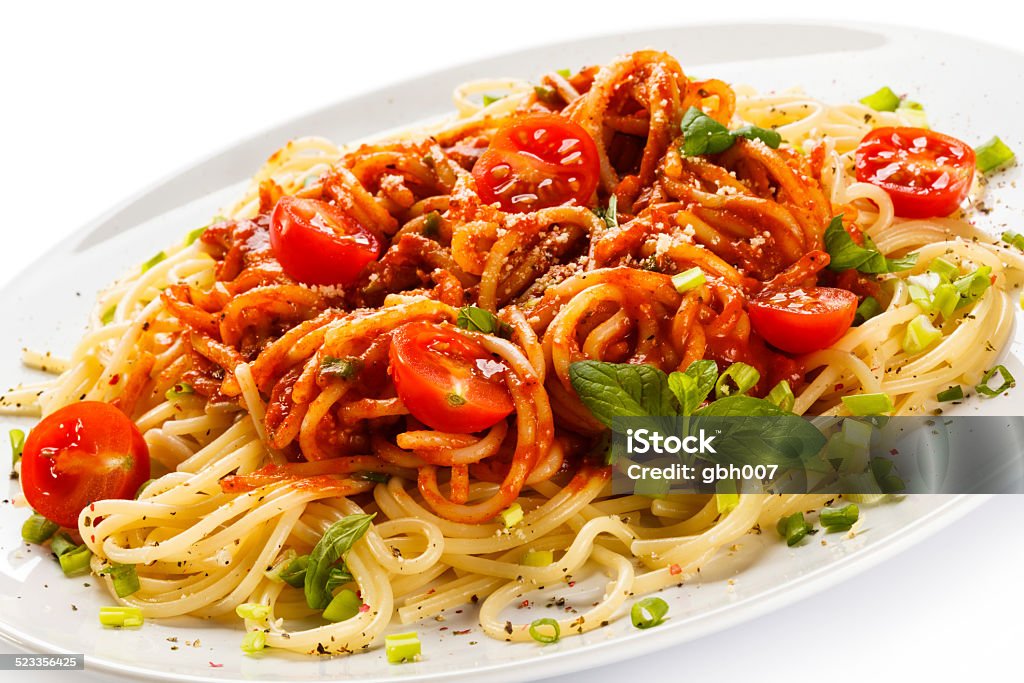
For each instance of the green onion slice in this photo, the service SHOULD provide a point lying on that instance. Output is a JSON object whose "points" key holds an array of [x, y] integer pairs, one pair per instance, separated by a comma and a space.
{"points": [[839, 518], [992, 154], [537, 558], [648, 613], [38, 529], [793, 528], [688, 279], [402, 647], [782, 396], [17, 437], [954, 393], [883, 99], [869, 404], [255, 611], [985, 389], [76, 561], [125, 579], [739, 378], [868, 309], [254, 641], [545, 630], [121, 617], [343, 606], [155, 259], [512, 515]]}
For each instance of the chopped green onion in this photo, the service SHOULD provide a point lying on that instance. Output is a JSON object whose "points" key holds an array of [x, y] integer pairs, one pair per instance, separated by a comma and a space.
{"points": [[954, 393], [512, 515], [17, 445], [992, 154], [61, 544], [256, 611], [945, 299], [920, 296], [920, 335], [944, 269], [343, 606], [537, 558], [652, 488], [194, 235], [688, 279], [973, 285], [402, 647], [1013, 239], [179, 391], [835, 519], [121, 617], [547, 95], [491, 99], [858, 433], [1008, 382], [913, 114], [868, 309], [254, 641], [869, 404], [551, 631], [883, 99], [738, 378], [564, 73], [125, 578], [648, 613], [76, 561], [294, 573], [108, 315], [885, 475], [782, 396], [37, 529], [793, 528], [155, 259]]}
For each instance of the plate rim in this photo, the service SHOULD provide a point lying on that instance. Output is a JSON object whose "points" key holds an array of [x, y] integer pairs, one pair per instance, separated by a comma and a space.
{"points": [[597, 654]]}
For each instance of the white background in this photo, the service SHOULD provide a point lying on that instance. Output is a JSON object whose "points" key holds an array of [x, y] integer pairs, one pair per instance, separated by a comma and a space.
{"points": [[100, 100]]}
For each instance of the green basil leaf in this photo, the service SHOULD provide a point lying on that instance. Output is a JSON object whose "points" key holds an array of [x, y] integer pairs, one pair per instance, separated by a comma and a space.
{"points": [[765, 135], [336, 541], [345, 368], [339, 576], [703, 135], [611, 390], [477, 319], [848, 255]]}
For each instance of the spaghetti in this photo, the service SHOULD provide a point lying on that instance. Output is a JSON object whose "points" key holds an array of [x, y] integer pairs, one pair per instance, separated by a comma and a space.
{"points": [[275, 407]]}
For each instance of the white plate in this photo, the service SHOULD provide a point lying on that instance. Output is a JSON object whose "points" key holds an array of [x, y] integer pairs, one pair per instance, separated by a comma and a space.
{"points": [[46, 306]]}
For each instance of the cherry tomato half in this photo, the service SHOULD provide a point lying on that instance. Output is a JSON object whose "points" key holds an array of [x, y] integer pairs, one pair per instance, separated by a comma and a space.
{"points": [[446, 380], [924, 173], [80, 454], [319, 244], [802, 319], [538, 161]]}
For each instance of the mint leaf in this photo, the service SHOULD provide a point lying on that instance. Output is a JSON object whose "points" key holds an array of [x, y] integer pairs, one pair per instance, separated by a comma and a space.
{"points": [[612, 390], [705, 373], [332, 546], [746, 437], [703, 135], [845, 254]]}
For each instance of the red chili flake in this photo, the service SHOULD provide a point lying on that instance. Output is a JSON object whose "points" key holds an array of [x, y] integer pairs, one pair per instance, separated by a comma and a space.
{"points": [[114, 380], [216, 666], [364, 607], [839, 387], [894, 452], [92, 537], [462, 633], [571, 584], [431, 591], [524, 603], [674, 569]]}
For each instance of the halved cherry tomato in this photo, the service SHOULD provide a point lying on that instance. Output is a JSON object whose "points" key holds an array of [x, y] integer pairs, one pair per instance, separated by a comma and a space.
{"points": [[802, 319], [925, 173], [446, 380], [538, 161], [80, 454], [319, 244]]}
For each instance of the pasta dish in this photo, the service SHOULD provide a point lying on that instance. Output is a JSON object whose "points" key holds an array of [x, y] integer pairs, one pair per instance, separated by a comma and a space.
{"points": [[379, 387]]}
